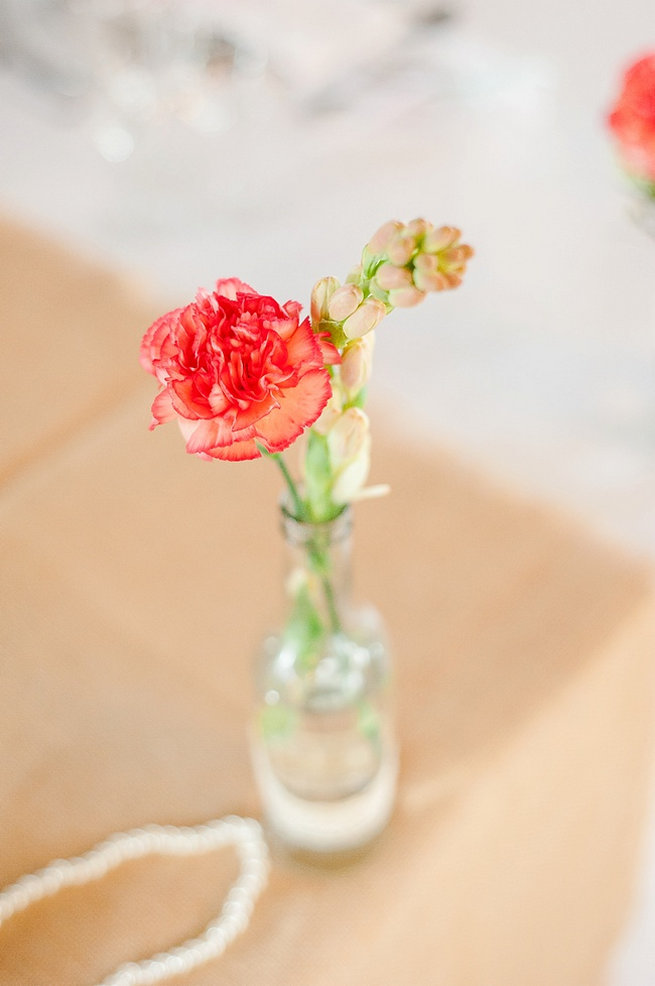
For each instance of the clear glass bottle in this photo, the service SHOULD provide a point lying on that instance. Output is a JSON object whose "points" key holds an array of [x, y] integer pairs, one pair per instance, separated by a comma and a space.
{"points": [[641, 208], [323, 744]]}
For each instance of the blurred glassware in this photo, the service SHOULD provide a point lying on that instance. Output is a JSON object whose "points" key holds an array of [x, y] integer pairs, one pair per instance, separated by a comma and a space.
{"points": [[125, 64], [44, 41], [641, 209]]}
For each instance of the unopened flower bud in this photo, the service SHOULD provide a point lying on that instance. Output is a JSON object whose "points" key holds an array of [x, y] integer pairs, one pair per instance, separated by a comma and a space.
{"points": [[406, 297], [349, 445], [418, 227], [347, 435], [427, 263], [427, 276], [369, 314], [389, 277], [441, 238], [344, 302], [355, 368], [401, 249], [380, 240], [331, 412], [321, 294], [455, 258], [430, 281]]}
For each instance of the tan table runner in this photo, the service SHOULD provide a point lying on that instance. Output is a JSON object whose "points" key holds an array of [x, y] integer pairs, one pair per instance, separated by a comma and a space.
{"points": [[135, 583]]}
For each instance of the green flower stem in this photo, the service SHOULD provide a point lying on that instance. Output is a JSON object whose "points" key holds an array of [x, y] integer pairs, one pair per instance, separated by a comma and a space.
{"points": [[335, 622], [298, 505], [319, 558], [317, 555]]}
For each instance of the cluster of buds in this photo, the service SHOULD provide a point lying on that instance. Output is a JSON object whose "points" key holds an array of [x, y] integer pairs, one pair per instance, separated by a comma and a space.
{"points": [[344, 310], [403, 262], [399, 266]]}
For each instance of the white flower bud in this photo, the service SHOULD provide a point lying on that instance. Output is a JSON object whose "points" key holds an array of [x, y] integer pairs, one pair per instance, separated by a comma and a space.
{"points": [[347, 436], [349, 445]]}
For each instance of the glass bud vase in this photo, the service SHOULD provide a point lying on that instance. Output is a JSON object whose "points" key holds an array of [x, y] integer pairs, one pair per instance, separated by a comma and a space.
{"points": [[641, 209], [323, 745]]}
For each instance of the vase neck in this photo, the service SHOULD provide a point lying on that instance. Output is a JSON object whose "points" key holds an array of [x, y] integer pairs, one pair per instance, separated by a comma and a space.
{"points": [[319, 569]]}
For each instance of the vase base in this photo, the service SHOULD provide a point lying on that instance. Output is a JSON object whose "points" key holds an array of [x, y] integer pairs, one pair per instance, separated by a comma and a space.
{"points": [[326, 827]]}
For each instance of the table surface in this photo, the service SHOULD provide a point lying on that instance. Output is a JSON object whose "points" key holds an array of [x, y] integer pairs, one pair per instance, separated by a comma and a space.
{"points": [[541, 367]]}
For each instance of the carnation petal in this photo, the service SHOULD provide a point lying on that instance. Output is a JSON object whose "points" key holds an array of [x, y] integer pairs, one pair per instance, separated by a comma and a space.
{"points": [[300, 407], [254, 412], [329, 352], [154, 338], [238, 451], [205, 435], [303, 346], [229, 287], [162, 408]]}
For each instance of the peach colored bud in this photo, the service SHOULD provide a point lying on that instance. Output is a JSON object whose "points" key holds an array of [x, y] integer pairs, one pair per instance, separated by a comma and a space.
{"points": [[369, 314], [379, 241], [406, 297], [441, 238], [454, 259], [426, 262], [400, 249], [418, 227], [388, 277], [321, 294], [345, 301], [459, 254], [355, 368], [430, 281]]}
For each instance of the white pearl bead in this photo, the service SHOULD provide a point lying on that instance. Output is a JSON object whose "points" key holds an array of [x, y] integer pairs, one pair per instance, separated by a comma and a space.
{"points": [[244, 833]]}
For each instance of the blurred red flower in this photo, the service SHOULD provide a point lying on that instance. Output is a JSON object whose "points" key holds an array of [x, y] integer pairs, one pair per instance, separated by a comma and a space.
{"points": [[632, 120]]}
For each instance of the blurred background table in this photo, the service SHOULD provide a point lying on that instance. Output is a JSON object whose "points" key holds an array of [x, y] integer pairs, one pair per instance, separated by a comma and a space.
{"points": [[540, 369]]}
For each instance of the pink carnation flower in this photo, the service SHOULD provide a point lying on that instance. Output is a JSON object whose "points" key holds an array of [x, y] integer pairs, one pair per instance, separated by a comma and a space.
{"points": [[237, 369]]}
